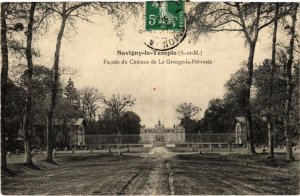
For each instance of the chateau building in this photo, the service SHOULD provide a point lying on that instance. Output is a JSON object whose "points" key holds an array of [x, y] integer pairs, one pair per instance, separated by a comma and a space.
{"points": [[161, 134]]}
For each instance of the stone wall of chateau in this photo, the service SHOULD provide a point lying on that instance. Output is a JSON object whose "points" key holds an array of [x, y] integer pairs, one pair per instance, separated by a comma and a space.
{"points": [[162, 134]]}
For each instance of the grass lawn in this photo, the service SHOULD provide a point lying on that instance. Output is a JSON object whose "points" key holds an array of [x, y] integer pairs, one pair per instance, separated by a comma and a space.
{"points": [[74, 174], [212, 173], [149, 174]]}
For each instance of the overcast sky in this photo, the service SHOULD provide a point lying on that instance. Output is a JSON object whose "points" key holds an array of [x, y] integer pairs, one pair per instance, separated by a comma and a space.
{"points": [[86, 49]]}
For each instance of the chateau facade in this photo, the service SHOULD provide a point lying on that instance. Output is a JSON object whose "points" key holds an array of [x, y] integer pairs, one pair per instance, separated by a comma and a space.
{"points": [[161, 134]]}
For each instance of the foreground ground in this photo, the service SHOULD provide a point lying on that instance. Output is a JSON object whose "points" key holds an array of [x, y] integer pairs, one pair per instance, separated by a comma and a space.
{"points": [[157, 172]]}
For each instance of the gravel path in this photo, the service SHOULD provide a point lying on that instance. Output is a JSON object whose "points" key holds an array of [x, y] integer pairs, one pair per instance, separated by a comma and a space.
{"points": [[155, 176]]}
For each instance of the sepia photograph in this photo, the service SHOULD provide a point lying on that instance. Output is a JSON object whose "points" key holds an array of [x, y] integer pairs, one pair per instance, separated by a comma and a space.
{"points": [[167, 97]]}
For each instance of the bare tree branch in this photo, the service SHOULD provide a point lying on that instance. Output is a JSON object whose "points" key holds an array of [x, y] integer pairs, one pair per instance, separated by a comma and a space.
{"points": [[187, 110]]}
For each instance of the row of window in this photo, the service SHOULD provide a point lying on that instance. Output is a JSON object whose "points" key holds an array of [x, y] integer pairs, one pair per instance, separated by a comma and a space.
{"points": [[162, 131]]}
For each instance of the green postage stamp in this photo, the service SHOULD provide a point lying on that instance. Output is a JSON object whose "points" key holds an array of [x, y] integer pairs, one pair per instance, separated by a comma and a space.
{"points": [[165, 15]]}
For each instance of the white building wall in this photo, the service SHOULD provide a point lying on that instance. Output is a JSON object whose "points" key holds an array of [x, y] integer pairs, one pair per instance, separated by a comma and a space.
{"points": [[170, 134]]}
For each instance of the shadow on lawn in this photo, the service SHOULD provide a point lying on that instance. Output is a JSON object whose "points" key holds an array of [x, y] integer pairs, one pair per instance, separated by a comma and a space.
{"points": [[97, 157], [8, 172], [32, 166], [18, 169]]}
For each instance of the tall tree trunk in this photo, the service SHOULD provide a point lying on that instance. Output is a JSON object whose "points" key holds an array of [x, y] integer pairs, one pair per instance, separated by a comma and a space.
{"points": [[289, 87], [270, 116], [247, 107], [54, 87], [252, 43], [4, 78], [27, 123]]}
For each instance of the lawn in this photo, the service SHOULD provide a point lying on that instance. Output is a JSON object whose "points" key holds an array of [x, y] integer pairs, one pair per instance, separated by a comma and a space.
{"points": [[212, 173], [149, 174], [73, 174]]}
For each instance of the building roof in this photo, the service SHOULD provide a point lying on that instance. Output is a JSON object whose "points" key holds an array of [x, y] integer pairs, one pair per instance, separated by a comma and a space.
{"points": [[71, 121], [78, 121], [240, 119]]}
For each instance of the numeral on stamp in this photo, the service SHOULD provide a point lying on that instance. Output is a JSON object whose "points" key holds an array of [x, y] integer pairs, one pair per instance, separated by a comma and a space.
{"points": [[165, 15]]}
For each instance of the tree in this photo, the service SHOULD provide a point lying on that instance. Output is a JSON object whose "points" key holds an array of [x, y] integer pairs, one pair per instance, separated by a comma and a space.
{"points": [[67, 108], [186, 112], [190, 125], [41, 81], [130, 123], [90, 99], [106, 122], [64, 113], [6, 10], [24, 13], [116, 105], [216, 116], [270, 122], [65, 11], [248, 18], [235, 91], [289, 86], [4, 80], [13, 115], [71, 94], [68, 13], [261, 110], [27, 124]]}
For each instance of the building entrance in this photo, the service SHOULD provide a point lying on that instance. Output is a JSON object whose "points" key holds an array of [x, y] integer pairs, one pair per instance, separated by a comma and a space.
{"points": [[159, 138]]}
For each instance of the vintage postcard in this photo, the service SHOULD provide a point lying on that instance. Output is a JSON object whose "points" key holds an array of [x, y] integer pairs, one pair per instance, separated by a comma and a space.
{"points": [[150, 98]]}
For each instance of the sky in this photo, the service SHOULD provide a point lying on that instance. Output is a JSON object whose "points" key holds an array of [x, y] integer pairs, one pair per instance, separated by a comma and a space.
{"points": [[158, 89]]}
